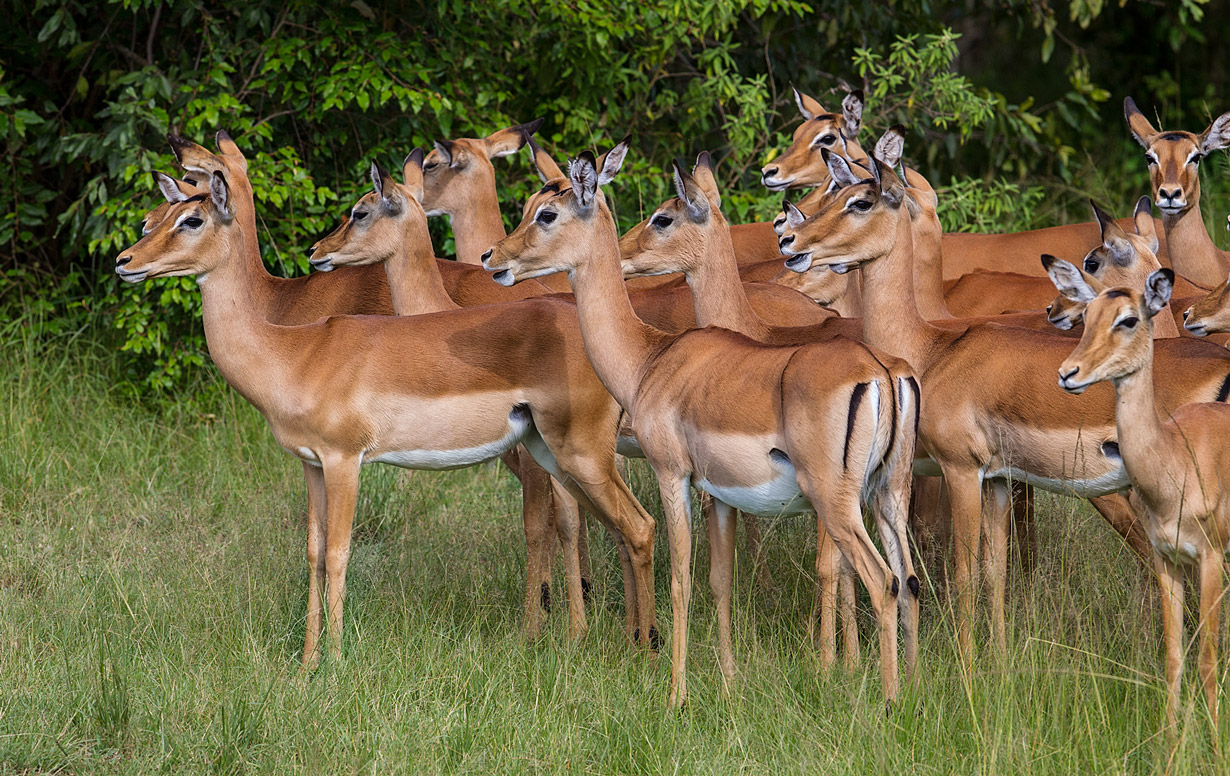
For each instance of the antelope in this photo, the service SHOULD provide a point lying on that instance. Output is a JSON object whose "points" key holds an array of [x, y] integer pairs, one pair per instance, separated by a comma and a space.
{"points": [[801, 165], [400, 398], [1174, 173], [760, 429], [307, 299], [1177, 466], [993, 418]]}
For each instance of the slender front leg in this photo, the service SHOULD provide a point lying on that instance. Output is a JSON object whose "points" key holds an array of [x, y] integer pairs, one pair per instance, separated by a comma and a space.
{"points": [[674, 490], [721, 577], [342, 488], [538, 523], [996, 523], [1171, 585], [965, 498], [568, 525], [825, 607], [315, 477], [1211, 586], [755, 548]]}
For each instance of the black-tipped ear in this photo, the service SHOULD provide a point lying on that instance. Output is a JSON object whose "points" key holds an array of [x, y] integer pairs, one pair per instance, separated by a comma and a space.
{"points": [[1069, 280], [544, 165], [704, 159], [852, 112], [169, 187], [412, 173], [1114, 239], [875, 173], [1158, 287], [1048, 260], [178, 144], [690, 193], [415, 157], [1217, 136], [1143, 218], [445, 147], [386, 189], [794, 216], [839, 169], [531, 127], [609, 163], [377, 179], [220, 195], [1140, 127], [809, 108]]}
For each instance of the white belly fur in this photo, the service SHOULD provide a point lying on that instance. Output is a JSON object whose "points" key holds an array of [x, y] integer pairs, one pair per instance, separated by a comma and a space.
{"points": [[518, 424], [1111, 482], [778, 496]]}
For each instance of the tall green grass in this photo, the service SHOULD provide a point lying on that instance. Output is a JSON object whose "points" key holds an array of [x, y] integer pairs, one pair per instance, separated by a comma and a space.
{"points": [[153, 587]]}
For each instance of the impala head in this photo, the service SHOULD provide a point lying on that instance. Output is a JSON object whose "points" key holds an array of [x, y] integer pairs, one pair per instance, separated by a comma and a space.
{"points": [[1118, 337], [193, 238], [676, 237], [1211, 315], [889, 150], [800, 165], [376, 228], [821, 285], [1174, 158], [454, 168], [1122, 259], [552, 236], [857, 224]]}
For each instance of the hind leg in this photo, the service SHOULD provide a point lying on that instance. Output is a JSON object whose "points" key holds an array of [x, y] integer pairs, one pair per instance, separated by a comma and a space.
{"points": [[755, 548], [848, 594], [825, 607], [892, 515], [539, 527], [674, 490], [721, 519], [995, 528]]}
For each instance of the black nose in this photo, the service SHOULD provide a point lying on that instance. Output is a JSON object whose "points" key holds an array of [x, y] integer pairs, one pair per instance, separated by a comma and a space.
{"points": [[1170, 194], [485, 256], [121, 261], [787, 240], [769, 172], [1048, 308], [1070, 374], [1186, 313]]}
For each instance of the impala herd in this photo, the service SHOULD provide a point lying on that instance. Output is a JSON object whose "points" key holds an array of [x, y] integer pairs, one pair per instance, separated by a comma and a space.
{"points": [[770, 390]]}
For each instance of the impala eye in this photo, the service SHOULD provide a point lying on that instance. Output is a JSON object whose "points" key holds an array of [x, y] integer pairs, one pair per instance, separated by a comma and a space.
{"points": [[359, 215], [1129, 322], [662, 221], [192, 222], [861, 205], [1150, 159], [827, 140], [430, 166], [1091, 266], [1195, 158], [547, 216]]}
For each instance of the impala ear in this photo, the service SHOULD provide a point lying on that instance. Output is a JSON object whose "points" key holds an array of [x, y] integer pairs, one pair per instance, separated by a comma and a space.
{"points": [[583, 174], [891, 146], [1068, 279], [386, 189], [445, 149], [875, 174], [546, 167], [220, 195], [412, 173], [609, 163], [1114, 239], [1141, 129], [1158, 287], [794, 216], [228, 148], [1217, 136], [839, 169], [808, 106], [170, 188], [703, 174], [1144, 222], [852, 111], [695, 202], [511, 140]]}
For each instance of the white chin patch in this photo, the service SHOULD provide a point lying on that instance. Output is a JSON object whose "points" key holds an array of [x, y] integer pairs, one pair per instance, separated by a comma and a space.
{"points": [[504, 277], [841, 269], [800, 262]]}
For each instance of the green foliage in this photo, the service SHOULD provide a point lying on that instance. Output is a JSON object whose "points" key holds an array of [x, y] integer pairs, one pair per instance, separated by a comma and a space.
{"points": [[314, 93]]}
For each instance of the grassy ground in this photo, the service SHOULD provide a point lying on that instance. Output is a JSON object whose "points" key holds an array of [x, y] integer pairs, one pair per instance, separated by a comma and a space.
{"points": [[153, 588]]}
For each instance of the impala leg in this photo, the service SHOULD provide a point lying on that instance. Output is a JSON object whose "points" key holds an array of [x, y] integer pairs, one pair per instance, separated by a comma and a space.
{"points": [[848, 594], [996, 524], [1171, 584], [827, 564], [843, 519], [1211, 586], [965, 498], [315, 477], [1117, 511], [587, 573], [721, 520], [536, 519], [568, 518], [342, 486], [755, 548], [674, 490], [1024, 525], [892, 511]]}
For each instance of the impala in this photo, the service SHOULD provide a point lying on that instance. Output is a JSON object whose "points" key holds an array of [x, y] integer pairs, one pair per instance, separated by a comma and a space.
{"points": [[763, 430], [1178, 466], [1174, 173], [987, 415], [350, 390], [802, 165]]}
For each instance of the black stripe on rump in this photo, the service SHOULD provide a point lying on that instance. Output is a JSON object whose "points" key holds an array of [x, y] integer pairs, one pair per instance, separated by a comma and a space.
{"points": [[856, 399]]}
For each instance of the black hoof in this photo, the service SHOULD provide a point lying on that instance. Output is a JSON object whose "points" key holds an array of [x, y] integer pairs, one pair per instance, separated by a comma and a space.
{"points": [[896, 587], [586, 585], [545, 599], [914, 585], [655, 640]]}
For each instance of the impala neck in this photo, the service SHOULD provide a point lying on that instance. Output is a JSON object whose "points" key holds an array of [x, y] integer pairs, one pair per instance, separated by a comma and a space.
{"points": [[414, 279], [1164, 326], [891, 320], [618, 343], [928, 267], [1141, 438], [718, 295], [1192, 251], [479, 226], [850, 304]]}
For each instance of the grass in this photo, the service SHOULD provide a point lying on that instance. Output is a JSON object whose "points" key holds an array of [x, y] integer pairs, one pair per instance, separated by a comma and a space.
{"points": [[153, 589]]}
